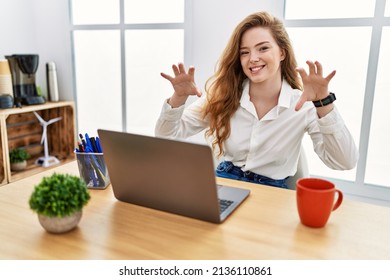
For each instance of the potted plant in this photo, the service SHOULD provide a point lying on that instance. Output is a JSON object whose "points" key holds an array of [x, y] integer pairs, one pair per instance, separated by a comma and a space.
{"points": [[58, 200], [18, 159]]}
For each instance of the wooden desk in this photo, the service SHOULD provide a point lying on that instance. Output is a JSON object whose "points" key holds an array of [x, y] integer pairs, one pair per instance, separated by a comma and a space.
{"points": [[266, 226]]}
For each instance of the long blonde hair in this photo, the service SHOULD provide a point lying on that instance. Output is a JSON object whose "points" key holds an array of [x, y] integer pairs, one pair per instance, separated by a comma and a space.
{"points": [[224, 88]]}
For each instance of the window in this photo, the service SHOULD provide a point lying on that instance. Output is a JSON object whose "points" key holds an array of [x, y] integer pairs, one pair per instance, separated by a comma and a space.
{"points": [[149, 51], [378, 164], [103, 12], [309, 9], [167, 11], [120, 47], [97, 62], [333, 55], [355, 42]]}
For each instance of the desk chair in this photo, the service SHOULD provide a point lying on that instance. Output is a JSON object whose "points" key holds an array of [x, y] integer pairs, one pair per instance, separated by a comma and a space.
{"points": [[302, 170]]}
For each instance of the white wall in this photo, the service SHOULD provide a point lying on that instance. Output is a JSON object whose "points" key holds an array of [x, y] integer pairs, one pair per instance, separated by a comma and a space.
{"points": [[39, 27], [53, 39], [16, 27], [42, 27], [213, 23]]}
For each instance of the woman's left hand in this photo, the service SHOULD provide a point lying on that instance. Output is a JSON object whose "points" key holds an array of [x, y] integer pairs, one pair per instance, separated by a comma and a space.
{"points": [[315, 86]]}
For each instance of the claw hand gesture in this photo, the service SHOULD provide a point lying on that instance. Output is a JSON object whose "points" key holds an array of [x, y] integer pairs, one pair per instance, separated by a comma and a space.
{"points": [[183, 83], [315, 86]]}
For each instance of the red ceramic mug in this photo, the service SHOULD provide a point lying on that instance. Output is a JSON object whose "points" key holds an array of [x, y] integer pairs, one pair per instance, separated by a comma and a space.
{"points": [[316, 201]]}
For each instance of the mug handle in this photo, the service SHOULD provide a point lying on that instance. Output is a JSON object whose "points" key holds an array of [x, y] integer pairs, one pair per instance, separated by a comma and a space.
{"points": [[339, 199]]}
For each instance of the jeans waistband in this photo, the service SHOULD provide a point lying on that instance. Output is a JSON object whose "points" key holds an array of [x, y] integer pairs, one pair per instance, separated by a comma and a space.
{"points": [[229, 167]]}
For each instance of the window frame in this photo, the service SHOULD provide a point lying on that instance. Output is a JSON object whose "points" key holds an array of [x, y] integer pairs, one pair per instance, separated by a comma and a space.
{"points": [[358, 187], [123, 27]]}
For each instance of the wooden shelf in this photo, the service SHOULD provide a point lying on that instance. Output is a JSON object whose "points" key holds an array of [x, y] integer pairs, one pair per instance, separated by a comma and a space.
{"points": [[21, 128]]}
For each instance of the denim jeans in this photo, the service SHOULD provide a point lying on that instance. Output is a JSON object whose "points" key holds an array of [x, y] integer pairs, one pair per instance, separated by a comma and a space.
{"points": [[227, 169]]}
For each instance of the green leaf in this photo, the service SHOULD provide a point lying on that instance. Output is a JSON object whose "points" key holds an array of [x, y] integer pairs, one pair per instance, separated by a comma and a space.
{"points": [[59, 195]]}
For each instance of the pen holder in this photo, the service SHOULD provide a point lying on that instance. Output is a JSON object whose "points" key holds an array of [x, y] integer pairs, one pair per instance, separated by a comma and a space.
{"points": [[93, 170]]}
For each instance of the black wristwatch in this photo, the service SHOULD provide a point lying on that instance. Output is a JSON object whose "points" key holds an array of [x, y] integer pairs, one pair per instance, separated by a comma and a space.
{"points": [[326, 101]]}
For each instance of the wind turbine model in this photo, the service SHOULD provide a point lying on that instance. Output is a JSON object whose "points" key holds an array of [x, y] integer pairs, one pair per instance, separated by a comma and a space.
{"points": [[46, 160]]}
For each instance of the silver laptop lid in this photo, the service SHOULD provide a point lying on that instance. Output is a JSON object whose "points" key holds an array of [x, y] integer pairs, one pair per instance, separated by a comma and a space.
{"points": [[167, 175]]}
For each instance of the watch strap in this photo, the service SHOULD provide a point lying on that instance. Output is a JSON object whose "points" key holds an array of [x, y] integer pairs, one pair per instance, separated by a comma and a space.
{"points": [[326, 101]]}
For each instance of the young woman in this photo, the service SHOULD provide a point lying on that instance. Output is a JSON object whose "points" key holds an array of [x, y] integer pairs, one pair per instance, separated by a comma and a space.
{"points": [[257, 109]]}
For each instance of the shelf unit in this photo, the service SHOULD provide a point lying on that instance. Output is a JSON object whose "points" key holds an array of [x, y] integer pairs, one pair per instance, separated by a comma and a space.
{"points": [[21, 128]]}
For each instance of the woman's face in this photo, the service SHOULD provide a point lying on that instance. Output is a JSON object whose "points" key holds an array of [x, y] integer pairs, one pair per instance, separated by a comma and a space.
{"points": [[260, 55]]}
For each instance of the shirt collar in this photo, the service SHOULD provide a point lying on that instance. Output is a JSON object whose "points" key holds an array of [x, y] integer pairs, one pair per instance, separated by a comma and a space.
{"points": [[245, 99], [285, 95], [284, 100]]}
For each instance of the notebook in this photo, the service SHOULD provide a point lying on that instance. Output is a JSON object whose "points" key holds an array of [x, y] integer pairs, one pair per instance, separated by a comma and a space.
{"points": [[167, 175]]}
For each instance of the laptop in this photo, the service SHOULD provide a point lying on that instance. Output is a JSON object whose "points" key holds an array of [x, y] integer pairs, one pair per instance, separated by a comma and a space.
{"points": [[167, 175]]}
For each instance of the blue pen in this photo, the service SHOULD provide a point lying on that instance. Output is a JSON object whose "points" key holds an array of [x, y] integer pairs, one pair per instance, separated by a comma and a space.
{"points": [[91, 150], [89, 144], [100, 150], [88, 149], [90, 169], [99, 147]]}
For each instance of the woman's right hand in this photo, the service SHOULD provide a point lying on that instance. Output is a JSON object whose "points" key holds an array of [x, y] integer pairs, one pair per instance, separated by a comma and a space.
{"points": [[183, 83]]}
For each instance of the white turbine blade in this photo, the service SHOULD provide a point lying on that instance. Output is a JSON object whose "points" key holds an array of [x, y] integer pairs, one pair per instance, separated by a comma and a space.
{"points": [[54, 120], [39, 118]]}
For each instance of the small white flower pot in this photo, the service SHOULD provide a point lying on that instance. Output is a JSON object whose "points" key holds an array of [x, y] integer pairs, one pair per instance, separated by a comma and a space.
{"points": [[19, 166], [60, 225]]}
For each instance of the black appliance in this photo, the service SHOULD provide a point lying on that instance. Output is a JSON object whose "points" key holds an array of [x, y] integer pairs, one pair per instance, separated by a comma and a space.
{"points": [[23, 68]]}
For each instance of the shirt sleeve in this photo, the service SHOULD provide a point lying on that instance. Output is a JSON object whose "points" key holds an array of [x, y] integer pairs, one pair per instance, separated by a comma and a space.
{"points": [[332, 140], [181, 122]]}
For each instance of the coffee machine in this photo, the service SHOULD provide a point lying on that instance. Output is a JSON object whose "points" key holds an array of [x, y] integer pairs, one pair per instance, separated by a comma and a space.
{"points": [[23, 68]]}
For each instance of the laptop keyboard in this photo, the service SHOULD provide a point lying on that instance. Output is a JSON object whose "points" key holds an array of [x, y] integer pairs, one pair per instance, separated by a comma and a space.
{"points": [[224, 204]]}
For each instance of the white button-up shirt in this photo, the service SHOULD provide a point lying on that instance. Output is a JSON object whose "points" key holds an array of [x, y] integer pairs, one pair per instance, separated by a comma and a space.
{"points": [[269, 146]]}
